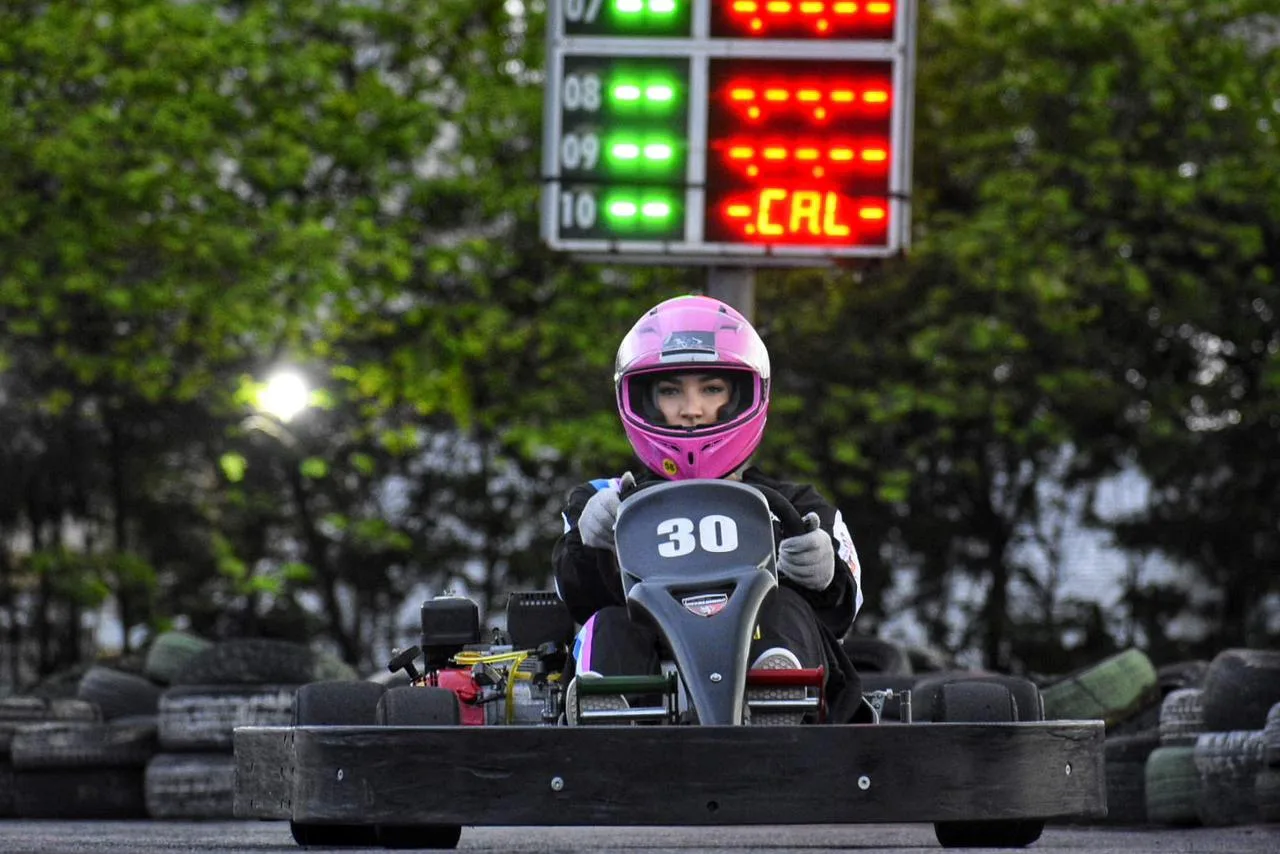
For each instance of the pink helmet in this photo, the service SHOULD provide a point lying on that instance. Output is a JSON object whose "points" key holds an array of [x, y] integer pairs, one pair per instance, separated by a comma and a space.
{"points": [[683, 335]]}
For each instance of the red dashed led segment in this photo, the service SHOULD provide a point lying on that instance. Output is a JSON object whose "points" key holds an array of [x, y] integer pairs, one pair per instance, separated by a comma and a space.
{"points": [[800, 215], [817, 159], [832, 19], [758, 100]]}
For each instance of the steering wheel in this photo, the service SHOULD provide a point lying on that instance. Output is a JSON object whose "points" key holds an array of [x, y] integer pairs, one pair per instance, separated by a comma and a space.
{"points": [[792, 523], [788, 516]]}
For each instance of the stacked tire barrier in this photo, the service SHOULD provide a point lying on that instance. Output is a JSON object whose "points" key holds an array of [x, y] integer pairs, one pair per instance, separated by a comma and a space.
{"points": [[1172, 781], [81, 757], [19, 713], [250, 682], [1186, 743], [1267, 784], [1211, 767], [155, 740]]}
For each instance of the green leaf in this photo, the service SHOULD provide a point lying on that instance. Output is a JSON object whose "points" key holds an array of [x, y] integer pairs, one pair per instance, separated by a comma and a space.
{"points": [[233, 466], [314, 468]]}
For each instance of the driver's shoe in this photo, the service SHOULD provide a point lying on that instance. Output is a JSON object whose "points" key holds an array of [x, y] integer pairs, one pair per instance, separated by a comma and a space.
{"points": [[589, 702], [775, 658]]}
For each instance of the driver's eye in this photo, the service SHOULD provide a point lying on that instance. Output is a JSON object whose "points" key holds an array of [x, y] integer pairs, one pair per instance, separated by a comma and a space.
{"points": [[668, 390]]}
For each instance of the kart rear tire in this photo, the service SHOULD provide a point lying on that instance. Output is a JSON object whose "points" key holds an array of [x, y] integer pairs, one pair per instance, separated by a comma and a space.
{"points": [[1026, 695], [342, 703], [333, 835], [419, 836], [419, 706], [983, 702]]}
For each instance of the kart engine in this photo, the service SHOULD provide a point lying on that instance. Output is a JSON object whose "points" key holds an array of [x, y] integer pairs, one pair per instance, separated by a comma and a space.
{"points": [[496, 683]]}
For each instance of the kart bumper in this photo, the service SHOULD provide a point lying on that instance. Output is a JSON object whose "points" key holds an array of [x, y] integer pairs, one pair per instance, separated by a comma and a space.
{"points": [[689, 775]]}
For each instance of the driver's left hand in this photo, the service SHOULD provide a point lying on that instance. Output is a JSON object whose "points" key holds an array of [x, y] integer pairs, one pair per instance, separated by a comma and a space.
{"points": [[808, 559]]}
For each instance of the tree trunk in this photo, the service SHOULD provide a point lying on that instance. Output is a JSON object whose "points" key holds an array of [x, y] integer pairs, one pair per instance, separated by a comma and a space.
{"points": [[120, 524], [318, 558]]}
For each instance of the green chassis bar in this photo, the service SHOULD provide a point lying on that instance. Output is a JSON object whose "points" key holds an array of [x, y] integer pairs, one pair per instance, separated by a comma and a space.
{"points": [[656, 775]]}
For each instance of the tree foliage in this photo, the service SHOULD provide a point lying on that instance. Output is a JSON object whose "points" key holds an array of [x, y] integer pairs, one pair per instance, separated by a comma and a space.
{"points": [[194, 193], [1096, 222]]}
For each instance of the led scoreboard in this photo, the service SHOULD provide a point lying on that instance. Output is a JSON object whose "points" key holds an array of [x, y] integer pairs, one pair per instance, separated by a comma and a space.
{"points": [[750, 132]]}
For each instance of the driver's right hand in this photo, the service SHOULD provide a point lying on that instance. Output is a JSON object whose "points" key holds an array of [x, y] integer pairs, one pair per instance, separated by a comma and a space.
{"points": [[595, 525]]}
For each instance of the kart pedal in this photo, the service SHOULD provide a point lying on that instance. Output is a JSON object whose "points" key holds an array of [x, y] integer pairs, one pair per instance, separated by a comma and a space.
{"points": [[778, 690]]}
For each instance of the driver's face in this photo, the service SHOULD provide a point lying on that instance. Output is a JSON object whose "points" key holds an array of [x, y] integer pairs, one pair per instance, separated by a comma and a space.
{"points": [[691, 400]]}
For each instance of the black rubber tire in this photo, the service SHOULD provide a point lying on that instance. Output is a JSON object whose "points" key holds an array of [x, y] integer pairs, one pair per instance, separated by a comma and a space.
{"points": [[249, 661], [1126, 774], [419, 836], [1181, 716], [1266, 791], [988, 834], [340, 703], [24, 708], [418, 706], [334, 835], [81, 744], [1181, 674], [1239, 689], [1172, 786], [118, 694], [981, 702], [873, 655], [1146, 719], [1228, 764], [1271, 738], [927, 659], [16, 712], [6, 787], [79, 793], [203, 718], [191, 786], [1026, 695]]}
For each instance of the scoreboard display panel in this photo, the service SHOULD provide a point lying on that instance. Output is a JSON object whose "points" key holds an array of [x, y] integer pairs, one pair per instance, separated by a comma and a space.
{"points": [[728, 131]]}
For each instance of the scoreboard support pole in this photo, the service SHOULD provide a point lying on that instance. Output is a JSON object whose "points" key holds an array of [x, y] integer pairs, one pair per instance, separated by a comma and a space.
{"points": [[735, 286]]}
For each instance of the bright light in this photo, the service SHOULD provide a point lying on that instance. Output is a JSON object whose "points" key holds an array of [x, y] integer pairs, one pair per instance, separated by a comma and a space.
{"points": [[284, 395]]}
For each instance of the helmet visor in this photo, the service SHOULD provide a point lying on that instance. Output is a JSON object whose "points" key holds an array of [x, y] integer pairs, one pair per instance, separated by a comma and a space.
{"points": [[691, 398]]}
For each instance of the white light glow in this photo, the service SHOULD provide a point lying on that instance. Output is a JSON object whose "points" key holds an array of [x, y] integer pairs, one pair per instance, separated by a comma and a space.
{"points": [[284, 396]]}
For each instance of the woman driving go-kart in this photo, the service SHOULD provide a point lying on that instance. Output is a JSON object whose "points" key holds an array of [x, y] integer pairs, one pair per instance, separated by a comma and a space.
{"points": [[692, 385]]}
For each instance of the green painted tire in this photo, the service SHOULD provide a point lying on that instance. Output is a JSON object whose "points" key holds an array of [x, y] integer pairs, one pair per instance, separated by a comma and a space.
{"points": [[1172, 786], [1113, 690], [170, 653]]}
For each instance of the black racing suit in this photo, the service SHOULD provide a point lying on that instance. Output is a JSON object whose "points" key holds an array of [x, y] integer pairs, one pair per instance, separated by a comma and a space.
{"points": [[810, 623]]}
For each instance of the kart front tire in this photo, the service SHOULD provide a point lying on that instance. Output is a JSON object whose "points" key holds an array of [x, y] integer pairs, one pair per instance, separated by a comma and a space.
{"points": [[419, 836], [419, 706], [338, 703], [984, 702]]}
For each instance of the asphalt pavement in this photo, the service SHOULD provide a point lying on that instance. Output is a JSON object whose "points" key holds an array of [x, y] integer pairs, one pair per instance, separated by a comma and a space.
{"points": [[163, 837]]}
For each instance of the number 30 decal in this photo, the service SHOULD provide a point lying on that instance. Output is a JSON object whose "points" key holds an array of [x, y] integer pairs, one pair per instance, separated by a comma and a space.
{"points": [[716, 533]]}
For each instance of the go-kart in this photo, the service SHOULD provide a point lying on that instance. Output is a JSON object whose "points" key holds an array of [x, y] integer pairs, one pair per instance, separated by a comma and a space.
{"points": [[477, 735]]}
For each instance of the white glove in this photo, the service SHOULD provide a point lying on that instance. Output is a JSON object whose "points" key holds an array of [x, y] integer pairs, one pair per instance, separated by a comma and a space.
{"points": [[808, 559], [597, 519]]}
